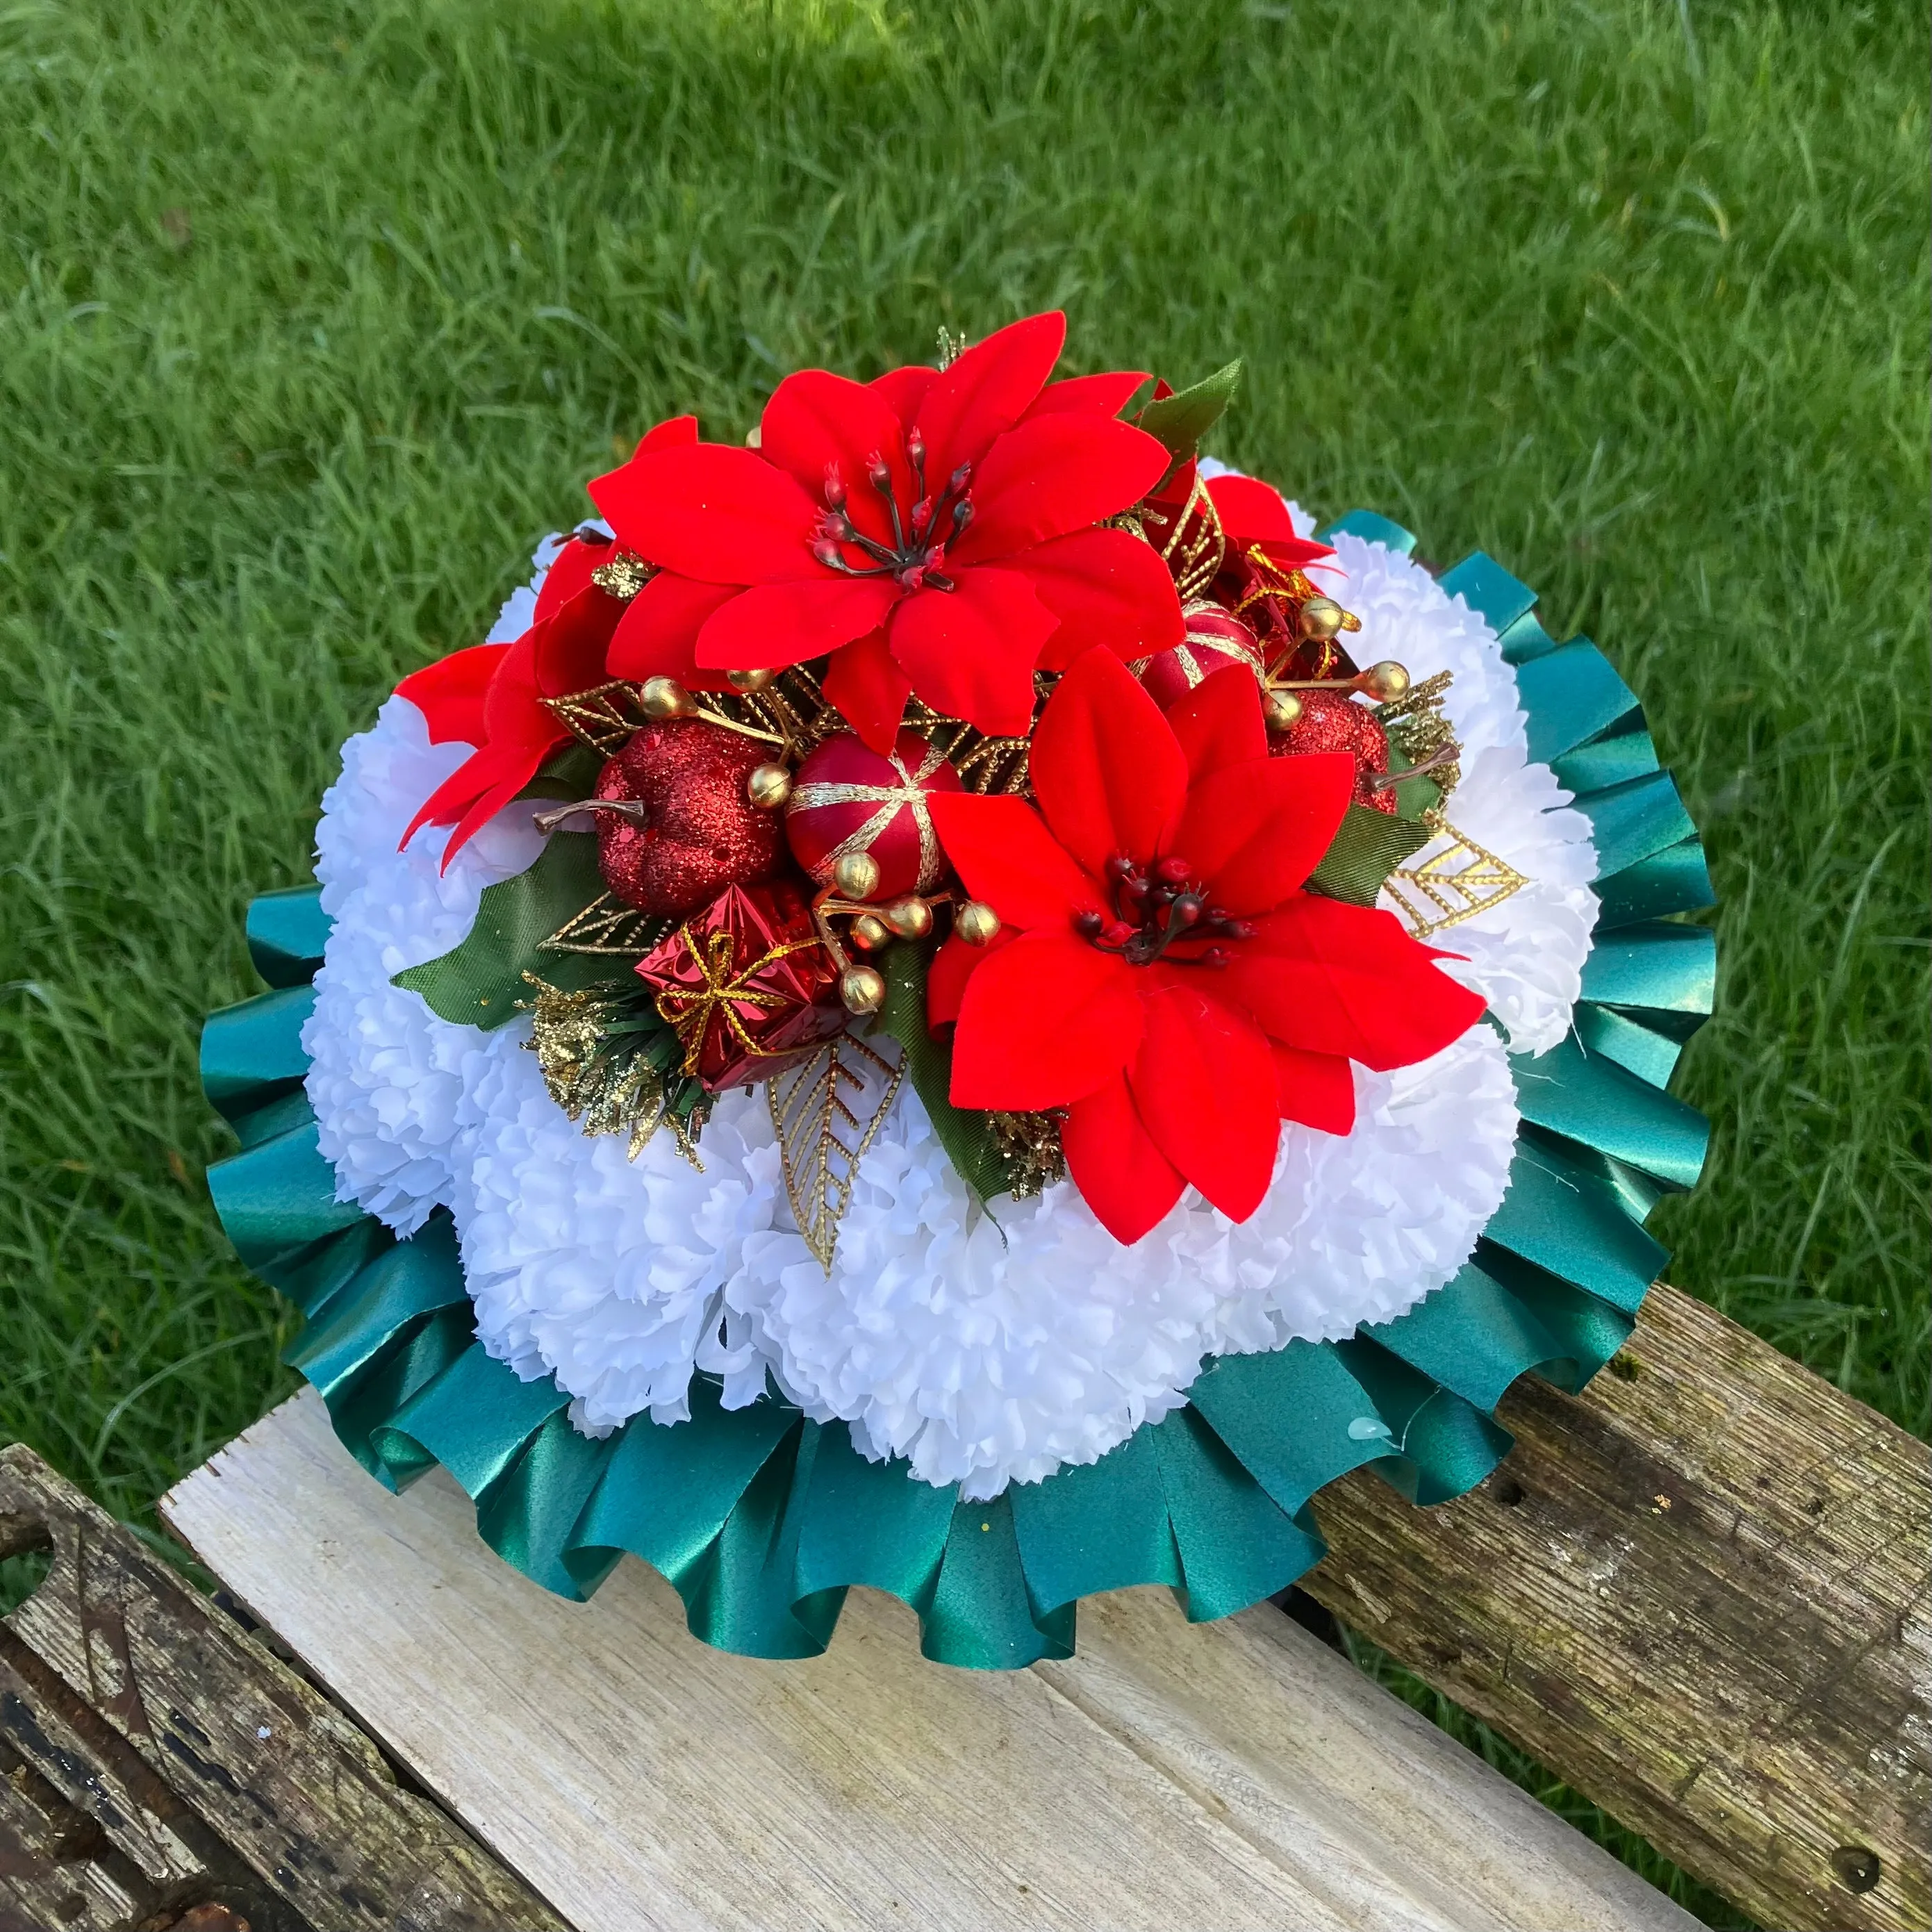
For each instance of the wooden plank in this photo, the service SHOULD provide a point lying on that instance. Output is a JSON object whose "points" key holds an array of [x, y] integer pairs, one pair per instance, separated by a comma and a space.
{"points": [[1700, 1592], [159, 1768], [1229, 1775]]}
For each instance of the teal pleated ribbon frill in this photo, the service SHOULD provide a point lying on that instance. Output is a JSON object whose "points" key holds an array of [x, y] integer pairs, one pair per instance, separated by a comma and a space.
{"points": [[762, 1519]]}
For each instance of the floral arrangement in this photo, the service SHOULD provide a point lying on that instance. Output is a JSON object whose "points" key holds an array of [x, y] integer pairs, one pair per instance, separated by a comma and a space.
{"points": [[956, 968]]}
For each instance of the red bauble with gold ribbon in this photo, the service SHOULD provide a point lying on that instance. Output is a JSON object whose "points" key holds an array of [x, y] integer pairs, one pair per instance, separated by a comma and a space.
{"points": [[846, 798], [1216, 638]]}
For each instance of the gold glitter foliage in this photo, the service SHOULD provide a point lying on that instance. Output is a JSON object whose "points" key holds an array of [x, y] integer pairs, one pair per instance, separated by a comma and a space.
{"points": [[610, 1093], [1029, 1145]]}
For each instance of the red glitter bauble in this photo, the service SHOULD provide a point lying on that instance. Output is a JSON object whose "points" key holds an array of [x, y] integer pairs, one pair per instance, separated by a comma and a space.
{"points": [[846, 798], [1331, 720], [704, 834], [1216, 638]]}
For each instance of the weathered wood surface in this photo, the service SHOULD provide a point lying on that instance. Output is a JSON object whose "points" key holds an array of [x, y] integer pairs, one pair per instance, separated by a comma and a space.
{"points": [[160, 1768], [1700, 1592], [1227, 1776]]}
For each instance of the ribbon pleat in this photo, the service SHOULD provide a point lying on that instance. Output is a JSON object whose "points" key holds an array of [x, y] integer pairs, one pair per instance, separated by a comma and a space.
{"points": [[762, 1519]]}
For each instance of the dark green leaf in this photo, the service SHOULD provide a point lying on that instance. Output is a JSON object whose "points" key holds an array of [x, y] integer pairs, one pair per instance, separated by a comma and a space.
{"points": [[966, 1135], [480, 982], [1181, 420], [1369, 847]]}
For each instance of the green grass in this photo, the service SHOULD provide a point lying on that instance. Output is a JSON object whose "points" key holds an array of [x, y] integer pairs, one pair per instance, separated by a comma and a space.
{"points": [[311, 317]]}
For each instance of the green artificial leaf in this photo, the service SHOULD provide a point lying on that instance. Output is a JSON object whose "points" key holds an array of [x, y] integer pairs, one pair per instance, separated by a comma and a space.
{"points": [[1369, 846], [569, 773], [967, 1135], [1181, 420], [480, 982]]}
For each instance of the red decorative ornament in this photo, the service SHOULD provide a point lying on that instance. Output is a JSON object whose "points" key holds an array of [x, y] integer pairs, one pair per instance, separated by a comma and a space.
{"points": [[704, 834], [1216, 638], [1331, 720], [747, 985], [847, 798]]}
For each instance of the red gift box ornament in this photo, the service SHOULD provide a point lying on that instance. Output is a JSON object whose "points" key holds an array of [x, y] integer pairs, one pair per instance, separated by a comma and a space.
{"points": [[847, 798], [1216, 638], [743, 984]]}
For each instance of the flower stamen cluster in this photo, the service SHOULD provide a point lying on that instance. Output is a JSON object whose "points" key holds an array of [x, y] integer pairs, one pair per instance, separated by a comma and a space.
{"points": [[913, 561], [1153, 909]]}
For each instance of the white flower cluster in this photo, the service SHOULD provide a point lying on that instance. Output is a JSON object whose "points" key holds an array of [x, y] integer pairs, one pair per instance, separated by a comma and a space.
{"points": [[988, 1345]]}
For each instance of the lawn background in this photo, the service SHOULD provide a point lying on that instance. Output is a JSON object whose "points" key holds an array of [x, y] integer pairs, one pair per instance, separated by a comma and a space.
{"points": [[313, 317]]}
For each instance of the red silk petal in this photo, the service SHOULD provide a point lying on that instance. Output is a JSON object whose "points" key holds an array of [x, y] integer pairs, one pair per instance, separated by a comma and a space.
{"points": [[1104, 394], [773, 625], [1250, 512], [1004, 854], [1108, 771], [904, 389], [970, 651], [449, 693], [1058, 473], [568, 573], [1333, 978], [673, 433], [815, 419], [1107, 588], [1204, 1085], [657, 636], [864, 682], [1128, 1182], [953, 965], [708, 510], [1220, 722], [1254, 832], [985, 391], [511, 713], [1316, 1089], [497, 771], [570, 647], [1044, 1022]]}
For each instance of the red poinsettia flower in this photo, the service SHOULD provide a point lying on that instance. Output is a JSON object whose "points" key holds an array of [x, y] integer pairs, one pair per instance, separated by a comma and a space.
{"points": [[934, 532], [491, 695], [1170, 984]]}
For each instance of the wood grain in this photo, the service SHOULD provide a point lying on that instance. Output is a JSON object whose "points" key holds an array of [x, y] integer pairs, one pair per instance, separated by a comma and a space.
{"points": [[1700, 1593], [158, 1769], [1224, 1776]]}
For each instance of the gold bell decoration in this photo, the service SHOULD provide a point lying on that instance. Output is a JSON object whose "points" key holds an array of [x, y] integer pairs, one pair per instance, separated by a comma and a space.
{"points": [[1281, 710], [909, 917], [768, 787], [862, 988], [870, 933], [1321, 618], [977, 922], [665, 697], [1386, 682], [745, 682], [856, 876]]}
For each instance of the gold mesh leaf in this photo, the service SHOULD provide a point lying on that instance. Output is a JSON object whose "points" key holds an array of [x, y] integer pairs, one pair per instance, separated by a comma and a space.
{"points": [[1452, 884], [826, 1113]]}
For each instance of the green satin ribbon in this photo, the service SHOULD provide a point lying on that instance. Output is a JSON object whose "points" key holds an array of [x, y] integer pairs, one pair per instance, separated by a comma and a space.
{"points": [[762, 1519]]}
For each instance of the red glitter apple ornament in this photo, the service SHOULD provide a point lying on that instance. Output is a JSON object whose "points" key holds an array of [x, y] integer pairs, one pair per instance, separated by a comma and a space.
{"points": [[1331, 720], [847, 798], [1215, 638], [701, 834]]}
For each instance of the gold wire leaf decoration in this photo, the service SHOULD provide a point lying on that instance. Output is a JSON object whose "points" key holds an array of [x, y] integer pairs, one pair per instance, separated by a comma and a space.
{"points": [[605, 717], [1453, 884], [608, 925], [826, 1113]]}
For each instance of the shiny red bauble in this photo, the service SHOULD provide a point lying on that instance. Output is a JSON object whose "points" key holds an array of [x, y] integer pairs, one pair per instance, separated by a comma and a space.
{"points": [[702, 834], [1331, 720], [847, 798], [1216, 638]]}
